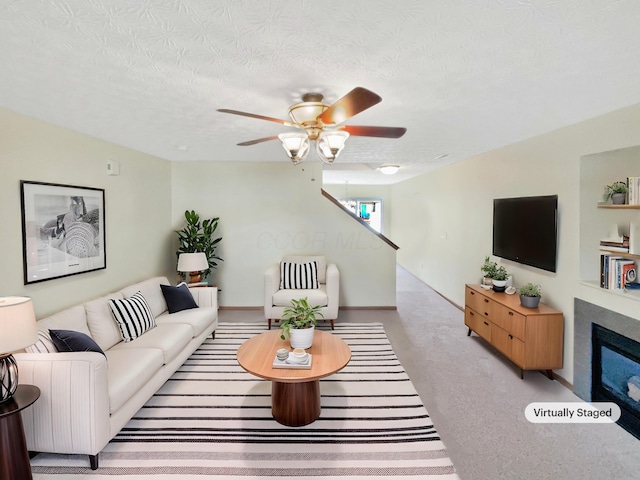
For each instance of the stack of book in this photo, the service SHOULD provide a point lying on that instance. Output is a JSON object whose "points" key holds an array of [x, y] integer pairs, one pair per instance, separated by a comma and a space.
{"points": [[611, 245]]}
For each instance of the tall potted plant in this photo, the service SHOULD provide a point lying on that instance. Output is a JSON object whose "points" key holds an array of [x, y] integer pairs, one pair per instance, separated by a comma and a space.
{"points": [[298, 322], [197, 236]]}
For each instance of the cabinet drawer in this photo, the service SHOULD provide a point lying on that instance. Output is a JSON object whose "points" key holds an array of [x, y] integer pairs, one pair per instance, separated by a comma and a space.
{"points": [[475, 322], [508, 344], [473, 299], [511, 321]]}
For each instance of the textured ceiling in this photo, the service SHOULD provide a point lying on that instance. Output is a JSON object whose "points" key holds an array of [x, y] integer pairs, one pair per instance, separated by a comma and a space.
{"points": [[463, 76]]}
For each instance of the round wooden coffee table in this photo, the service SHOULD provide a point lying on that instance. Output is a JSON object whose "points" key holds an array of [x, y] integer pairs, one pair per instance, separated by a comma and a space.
{"points": [[295, 394]]}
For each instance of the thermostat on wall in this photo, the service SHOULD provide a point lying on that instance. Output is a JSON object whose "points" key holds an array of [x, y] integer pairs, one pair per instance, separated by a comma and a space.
{"points": [[113, 167]]}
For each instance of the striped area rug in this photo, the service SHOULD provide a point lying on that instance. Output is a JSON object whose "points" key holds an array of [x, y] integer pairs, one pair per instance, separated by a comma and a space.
{"points": [[213, 420]]}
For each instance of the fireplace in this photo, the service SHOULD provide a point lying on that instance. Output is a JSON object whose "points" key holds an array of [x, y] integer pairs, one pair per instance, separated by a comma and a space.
{"points": [[616, 375]]}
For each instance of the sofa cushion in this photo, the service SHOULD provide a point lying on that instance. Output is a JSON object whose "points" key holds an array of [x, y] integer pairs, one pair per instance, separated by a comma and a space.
{"points": [[198, 319], [43, 344], [129, 371], [72, 341], [168, 339], [178, 298], [150, 289], [298, 275], [101, 323], [73, 318], [132, 315], [282, 298]]}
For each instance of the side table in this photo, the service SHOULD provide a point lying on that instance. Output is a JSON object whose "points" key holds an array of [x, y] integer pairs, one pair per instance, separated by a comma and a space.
{"points": [[14, 456]]}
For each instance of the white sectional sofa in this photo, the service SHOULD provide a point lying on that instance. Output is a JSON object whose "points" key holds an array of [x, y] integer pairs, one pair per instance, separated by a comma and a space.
{"points": [[87, 397]]}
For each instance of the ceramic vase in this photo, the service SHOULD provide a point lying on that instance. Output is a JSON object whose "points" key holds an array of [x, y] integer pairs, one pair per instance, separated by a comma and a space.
{"points": [[301, 337]]}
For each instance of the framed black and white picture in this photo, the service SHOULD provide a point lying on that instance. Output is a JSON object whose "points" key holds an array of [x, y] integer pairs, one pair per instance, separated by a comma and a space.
{"points": [[63, 230]]}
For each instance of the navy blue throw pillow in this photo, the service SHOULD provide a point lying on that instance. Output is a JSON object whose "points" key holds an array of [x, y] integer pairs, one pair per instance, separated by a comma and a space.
{"points": [[72, 341], [178, 298]]}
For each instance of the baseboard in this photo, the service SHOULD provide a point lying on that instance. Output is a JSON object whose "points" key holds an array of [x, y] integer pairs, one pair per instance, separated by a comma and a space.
{"points": [[563, 381], [382, 307], [241, 308]]}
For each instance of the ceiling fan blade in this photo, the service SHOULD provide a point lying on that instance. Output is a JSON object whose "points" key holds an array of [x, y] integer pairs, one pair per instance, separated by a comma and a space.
{"points": [[354, 102], [259, 117], [367, 131], [258, 140]]}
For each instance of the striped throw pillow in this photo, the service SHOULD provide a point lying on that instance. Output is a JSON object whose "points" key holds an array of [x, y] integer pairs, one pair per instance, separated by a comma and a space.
{"points": [[132, 315], [44, 344], [298, 275]]}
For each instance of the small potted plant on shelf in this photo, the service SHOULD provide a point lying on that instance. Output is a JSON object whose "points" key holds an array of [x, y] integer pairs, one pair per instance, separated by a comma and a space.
{"points": [[488, 269], [530, 295], [298, 322], [500, 279], [617, 191]]}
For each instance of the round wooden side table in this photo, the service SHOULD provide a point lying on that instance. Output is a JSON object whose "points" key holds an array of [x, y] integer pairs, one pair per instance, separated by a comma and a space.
{"points": [[14, 456]]}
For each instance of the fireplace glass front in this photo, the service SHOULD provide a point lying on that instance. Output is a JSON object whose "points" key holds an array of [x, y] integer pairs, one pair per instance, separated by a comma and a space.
{"points": [[616, 375]]}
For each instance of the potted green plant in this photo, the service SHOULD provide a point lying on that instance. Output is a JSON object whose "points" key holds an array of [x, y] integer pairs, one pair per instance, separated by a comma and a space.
{"points": [[500, 279], [488, 269], [530, 295], [617, 192], [197, 236], [298, 322]]}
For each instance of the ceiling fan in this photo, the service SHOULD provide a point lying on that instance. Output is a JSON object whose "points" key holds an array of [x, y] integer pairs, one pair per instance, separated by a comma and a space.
{"points": [[321, 123]]}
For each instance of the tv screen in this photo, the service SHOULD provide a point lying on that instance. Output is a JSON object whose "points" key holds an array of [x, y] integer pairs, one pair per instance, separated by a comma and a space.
{"points": [[525, 230]]}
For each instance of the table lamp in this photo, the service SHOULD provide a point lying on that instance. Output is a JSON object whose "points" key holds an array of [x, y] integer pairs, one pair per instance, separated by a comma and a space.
{"points": [[17, 330], [193, 263]]}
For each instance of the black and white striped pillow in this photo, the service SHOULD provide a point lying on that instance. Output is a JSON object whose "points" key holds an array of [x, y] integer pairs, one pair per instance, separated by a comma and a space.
{"points": [[132, 315], [44, 344], [298, 275]]}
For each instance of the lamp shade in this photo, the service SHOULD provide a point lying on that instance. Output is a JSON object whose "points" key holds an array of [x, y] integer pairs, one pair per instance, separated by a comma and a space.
{"points": [[296, 145], [330, 144], [192, 262], [17, 324]]}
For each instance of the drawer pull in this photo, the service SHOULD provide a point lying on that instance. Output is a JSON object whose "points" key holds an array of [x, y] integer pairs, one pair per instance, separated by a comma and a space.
{"points": [[486, 323], [486, 300], [472, 293], [486, 313], [510, 337], [511, 313], [471, 314]]}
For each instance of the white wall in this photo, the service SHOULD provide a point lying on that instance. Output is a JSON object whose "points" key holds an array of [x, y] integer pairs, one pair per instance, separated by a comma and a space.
{"points": [[268, 210], [137, 202], [456, 202]]}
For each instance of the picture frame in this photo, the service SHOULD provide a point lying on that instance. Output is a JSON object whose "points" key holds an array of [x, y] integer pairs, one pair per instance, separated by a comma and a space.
{"points": [[63, 230]]}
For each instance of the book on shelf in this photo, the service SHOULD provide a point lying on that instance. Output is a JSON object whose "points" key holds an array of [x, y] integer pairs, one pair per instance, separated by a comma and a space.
{"points": [[616, 272], [633, 190]]}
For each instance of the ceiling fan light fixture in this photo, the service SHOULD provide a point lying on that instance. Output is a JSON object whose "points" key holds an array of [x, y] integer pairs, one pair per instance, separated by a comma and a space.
{"points": [[389, 169], [296, 145], [330, 144], [307, 112]]}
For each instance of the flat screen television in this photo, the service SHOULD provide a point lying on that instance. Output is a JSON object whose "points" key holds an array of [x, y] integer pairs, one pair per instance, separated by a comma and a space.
{"points": [[525, 230]]}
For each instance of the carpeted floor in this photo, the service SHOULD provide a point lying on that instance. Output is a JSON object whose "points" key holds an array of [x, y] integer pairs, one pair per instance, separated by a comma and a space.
{"points": [[213, 420]]}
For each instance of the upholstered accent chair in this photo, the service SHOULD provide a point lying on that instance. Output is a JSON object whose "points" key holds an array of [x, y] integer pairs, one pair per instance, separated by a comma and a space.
{"points": [[301, 276]]}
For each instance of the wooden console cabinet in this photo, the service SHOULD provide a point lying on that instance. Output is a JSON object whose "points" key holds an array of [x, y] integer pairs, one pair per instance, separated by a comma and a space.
{"points": [[531, 338]]}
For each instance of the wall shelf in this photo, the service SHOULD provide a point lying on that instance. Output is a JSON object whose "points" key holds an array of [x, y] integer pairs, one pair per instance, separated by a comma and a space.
{"points": [[621, 207]]}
